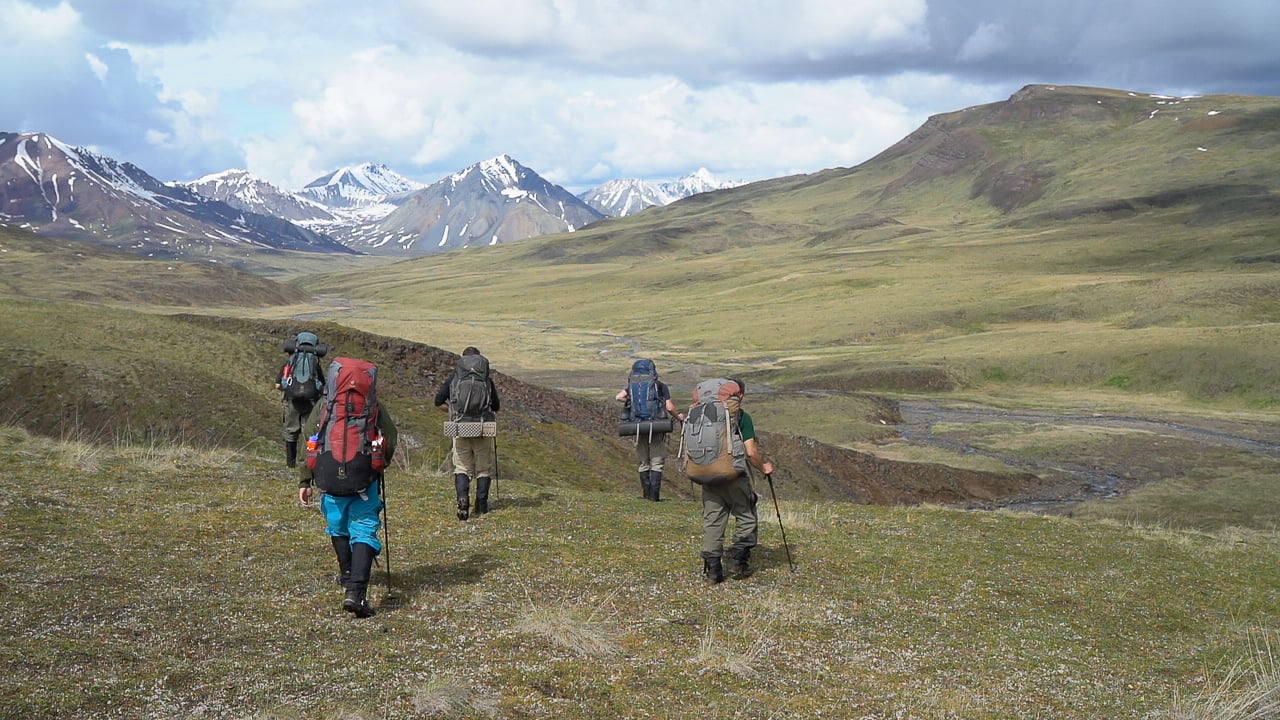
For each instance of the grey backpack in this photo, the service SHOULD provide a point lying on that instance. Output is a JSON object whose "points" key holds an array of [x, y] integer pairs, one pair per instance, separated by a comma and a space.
{"points": [[711, 447]]}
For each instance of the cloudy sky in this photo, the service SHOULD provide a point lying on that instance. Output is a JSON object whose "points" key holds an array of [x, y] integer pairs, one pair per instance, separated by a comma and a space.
{"points": [[581, 91]]}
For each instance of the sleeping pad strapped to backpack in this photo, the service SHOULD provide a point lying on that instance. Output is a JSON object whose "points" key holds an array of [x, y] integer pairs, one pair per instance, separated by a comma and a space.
{"points": [[349, 455]]}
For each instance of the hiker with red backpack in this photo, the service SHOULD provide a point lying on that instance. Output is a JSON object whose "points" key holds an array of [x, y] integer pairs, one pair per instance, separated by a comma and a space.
{"points": [[646, 420], [301, 383], [717, 443], [354, 441], [471, 398]]}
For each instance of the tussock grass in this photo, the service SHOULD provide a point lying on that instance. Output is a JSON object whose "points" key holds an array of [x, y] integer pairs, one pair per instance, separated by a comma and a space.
{"points": [[1248, 690], [139, 591], [573, 628], [716, 653], [442, 697]]}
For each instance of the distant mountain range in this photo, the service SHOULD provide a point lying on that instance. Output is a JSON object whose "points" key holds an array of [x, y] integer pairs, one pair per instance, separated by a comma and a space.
{"points": [[619, 198], [62, 191], [491, 202]]}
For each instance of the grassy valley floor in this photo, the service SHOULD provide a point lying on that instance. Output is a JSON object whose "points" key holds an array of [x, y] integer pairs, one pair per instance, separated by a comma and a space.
{"points": [[161, 582]]}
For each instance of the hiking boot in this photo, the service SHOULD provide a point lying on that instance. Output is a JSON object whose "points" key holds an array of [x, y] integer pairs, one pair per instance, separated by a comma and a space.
{"points": [[342, 548], [357, 604], [290, 454], [712, 570], [482, 495], [462, 487], [655, 484], [741, 562]]}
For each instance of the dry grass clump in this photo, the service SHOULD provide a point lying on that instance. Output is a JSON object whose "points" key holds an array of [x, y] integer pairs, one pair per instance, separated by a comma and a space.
{"points": [[570, 627], [740, 656], [442, 697], [1248, 690]]}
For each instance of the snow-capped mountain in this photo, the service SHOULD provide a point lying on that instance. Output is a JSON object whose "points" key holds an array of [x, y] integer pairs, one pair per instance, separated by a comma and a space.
{"points": [[359, 186], [491, 202], [239, 189], [62, 191], [619, 198]]}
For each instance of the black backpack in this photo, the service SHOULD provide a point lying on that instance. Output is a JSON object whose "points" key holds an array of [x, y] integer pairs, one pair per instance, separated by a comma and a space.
{"points": [[302, 378], [469, 397]]}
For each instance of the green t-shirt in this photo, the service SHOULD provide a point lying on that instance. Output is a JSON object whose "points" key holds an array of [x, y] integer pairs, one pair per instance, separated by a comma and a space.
{"points": [[745, 427]]}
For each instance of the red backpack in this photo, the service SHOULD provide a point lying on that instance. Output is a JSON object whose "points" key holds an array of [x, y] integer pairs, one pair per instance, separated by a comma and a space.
{"points": [[347, 454]]}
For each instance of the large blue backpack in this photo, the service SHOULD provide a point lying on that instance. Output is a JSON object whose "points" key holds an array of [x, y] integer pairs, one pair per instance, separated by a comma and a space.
{"points": [[643, 401], [646, 414]]}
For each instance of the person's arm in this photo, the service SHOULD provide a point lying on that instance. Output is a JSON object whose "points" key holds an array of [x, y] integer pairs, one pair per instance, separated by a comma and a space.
{"points": [[671, 406], [494, 403], [755, 458], [304, 473], [390, 436], [442, 395]]}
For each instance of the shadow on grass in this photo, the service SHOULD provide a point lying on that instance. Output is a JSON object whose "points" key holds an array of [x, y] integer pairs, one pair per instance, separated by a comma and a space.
{"points": [[521, 502], [406, 585]]}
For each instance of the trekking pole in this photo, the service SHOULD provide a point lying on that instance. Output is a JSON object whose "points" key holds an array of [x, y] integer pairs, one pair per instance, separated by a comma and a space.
{"points": [[386, 537], [778, 511]]}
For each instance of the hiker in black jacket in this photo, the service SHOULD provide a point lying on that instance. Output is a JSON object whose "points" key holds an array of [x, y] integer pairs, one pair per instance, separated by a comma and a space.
{"points": [[473, 457]]}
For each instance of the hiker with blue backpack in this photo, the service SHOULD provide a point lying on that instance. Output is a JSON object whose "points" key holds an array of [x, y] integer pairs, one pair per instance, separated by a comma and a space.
{"points": [[301, 383], [471, 398], [646, 420], [717, 445]]}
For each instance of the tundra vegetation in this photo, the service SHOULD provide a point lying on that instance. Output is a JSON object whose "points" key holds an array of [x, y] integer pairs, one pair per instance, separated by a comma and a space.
{"points": [[1075, 283]]}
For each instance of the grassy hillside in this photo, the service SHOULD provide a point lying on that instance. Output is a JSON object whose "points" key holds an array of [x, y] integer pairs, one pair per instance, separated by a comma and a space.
{"points": [[116, 375], [1105, 242], [34, 267], [158, 582]]}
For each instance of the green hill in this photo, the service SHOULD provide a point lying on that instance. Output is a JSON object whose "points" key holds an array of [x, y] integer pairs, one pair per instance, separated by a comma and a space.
{"points": [[118, 375], [1068, 238], [35, 267]]}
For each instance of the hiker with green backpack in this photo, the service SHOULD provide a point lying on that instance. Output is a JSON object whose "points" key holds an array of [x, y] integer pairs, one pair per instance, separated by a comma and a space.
{"points": [[471, 399], [646, 421], [717, 443], [301, 383]]}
